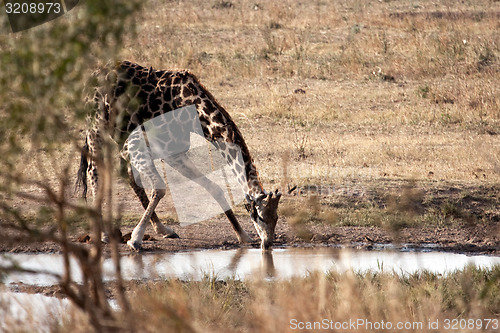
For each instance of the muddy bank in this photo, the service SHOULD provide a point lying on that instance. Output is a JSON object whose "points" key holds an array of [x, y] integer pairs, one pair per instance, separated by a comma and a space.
{"points": [[479, 239]]}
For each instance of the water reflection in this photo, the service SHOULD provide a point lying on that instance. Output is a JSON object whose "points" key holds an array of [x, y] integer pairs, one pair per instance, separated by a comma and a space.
{"points": [[236, 258], [267, 267]]}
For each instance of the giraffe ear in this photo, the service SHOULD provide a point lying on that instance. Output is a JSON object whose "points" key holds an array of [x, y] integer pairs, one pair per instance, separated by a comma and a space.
{"points": [[278, 195], [248, 198], [261, 197]]}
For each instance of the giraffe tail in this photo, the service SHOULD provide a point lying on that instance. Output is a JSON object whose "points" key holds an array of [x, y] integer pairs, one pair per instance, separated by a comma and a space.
{"points": [[81, 180]]}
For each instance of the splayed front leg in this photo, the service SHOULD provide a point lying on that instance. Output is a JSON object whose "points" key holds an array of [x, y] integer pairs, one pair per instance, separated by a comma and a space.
{"points": [[188, 169], [135, 241], [162, 229], [240, 233], [243, 238], [159, 227]]}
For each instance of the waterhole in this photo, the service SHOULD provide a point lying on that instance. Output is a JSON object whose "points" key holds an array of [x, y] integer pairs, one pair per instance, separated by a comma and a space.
{"points": [[250, 263]]}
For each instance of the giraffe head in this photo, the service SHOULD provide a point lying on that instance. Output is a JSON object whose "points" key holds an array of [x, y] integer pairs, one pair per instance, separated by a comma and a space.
{"points": [[264, 214]]}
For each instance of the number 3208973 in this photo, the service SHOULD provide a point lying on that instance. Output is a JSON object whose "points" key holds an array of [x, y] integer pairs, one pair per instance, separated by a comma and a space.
{"points": [[32, 8], [461, 324]]}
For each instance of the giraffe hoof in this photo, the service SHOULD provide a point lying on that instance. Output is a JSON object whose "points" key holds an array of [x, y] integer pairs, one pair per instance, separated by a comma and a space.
{"points": [[136, 246], [174, 235], [245, 239], [105, 239], [165, 231]]}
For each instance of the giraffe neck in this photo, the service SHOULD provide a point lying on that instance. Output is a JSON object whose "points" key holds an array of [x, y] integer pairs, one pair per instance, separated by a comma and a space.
{"points": [[218, 125], [233, 148], [253, 186]]}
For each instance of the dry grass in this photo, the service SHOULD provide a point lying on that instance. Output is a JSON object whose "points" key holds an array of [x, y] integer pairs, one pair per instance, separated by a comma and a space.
{"points": [[213, 305], [358, 90], [343, 96], [260, 306], [352, 91]]}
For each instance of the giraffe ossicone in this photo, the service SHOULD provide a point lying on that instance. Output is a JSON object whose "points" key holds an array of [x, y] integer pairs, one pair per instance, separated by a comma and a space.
{"points": [[130, 98]]}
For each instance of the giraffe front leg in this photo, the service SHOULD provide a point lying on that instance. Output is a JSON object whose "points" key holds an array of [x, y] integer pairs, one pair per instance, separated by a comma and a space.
{"points": [[240, 233], [243, 238], [162, 229], [159, 227], [135, 241], [188, 169]]}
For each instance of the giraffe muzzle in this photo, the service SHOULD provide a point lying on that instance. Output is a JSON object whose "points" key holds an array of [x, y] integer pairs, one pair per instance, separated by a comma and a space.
{"points": [[264, 215], [267, 244]]}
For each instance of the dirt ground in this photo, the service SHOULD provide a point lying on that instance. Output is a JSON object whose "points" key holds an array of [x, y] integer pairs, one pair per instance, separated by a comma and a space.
{"points": [[471, 222], [359, 95], [449, 216], [218, 234]]}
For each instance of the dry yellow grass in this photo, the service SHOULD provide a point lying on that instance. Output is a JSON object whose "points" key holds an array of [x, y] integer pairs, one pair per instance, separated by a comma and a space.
{"points": [[357, 90], [350, 302], [350, 92]]}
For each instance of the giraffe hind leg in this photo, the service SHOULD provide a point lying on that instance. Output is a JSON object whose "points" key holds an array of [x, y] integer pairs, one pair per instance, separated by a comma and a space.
{"points": [[135, 241], [159, 227], [146, 168]]}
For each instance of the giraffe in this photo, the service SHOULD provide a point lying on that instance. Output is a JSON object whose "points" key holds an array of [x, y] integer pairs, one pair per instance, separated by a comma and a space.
{"points": [[128, 95]]}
